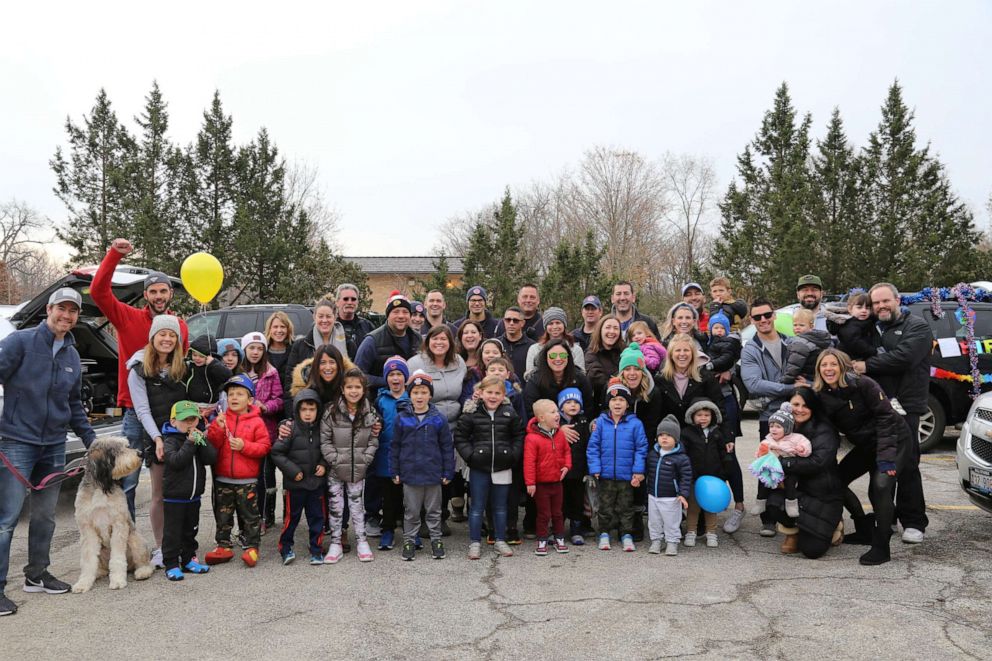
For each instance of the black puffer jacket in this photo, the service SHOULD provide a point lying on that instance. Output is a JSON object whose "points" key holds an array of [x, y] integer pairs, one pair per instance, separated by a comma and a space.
{"points": [[863, 413], [854, 336], [184, 475], [300, 453], [903, 369], [821, 490], [708, 454], [579, 462], [804, 349], [203, 384], [724, 352], [490, 444]]}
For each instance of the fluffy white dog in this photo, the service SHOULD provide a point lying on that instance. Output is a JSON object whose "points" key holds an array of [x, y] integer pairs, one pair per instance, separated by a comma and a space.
{"points": [[108, 541]]}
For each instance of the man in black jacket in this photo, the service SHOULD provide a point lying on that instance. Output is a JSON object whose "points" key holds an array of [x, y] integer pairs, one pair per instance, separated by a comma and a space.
{"points": [[355, 327], [902, 368]]}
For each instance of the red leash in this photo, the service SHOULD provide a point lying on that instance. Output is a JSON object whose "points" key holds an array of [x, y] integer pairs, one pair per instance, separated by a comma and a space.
{"points": [[72, 469]]}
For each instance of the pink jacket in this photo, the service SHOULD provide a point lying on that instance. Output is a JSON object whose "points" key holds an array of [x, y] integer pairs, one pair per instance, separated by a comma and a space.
{"points": [[654, 353], [268, 393], [791, 445]]}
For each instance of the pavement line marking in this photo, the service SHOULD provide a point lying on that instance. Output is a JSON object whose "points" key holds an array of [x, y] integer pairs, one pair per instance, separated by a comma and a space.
{"points": [[938, 458]]}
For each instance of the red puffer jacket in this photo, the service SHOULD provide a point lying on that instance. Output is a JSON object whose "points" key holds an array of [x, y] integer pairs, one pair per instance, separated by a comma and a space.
{"points": [[242, 464], [544, 454]]}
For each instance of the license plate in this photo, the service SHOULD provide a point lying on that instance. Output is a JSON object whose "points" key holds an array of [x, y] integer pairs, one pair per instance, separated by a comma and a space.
{"points": [[980, 479]]}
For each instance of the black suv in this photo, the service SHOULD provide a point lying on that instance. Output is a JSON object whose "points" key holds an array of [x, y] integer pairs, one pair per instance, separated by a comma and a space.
{"points": [[239, 320]]}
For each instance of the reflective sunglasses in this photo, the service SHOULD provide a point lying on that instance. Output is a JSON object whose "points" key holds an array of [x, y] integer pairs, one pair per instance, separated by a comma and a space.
{"points": [[556, 355]]}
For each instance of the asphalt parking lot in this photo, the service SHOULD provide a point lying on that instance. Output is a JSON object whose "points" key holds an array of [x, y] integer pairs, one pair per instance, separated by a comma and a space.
{"points": [[741, 600]]}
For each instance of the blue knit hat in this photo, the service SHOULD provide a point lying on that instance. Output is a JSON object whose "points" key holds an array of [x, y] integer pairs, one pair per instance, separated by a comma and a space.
{"points": [[570, 395], [229, 344], [240, 381], [396, 363], [721, 319]]}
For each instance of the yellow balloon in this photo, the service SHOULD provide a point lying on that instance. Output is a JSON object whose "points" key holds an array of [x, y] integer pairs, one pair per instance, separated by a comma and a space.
{"points": [[202, 276]]}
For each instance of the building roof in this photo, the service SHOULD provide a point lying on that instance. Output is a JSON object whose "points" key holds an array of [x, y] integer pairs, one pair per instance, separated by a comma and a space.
{"points": [[404, 264]]}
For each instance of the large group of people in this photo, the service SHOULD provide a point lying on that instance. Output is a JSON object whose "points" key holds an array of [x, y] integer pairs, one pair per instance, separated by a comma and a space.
{"points": [[397, 432]]}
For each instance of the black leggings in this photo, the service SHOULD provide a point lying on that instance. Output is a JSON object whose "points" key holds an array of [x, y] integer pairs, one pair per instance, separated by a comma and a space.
{"points": [[881, 487]]}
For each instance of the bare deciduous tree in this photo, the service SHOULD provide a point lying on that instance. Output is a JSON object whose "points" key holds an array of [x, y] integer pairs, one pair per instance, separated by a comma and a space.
{"points": [[691, 184], [19, 229], [39, 272], [303, 191]]}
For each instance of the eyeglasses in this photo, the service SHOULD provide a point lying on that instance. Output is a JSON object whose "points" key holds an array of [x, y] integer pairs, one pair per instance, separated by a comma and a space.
{"points": [[555, 355], [763, 315], [512, 320]]}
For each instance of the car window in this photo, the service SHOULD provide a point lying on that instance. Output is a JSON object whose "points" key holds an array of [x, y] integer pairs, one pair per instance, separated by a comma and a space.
{"points": [[240, 323], [302, 321], [983, 322], [203, 324]]}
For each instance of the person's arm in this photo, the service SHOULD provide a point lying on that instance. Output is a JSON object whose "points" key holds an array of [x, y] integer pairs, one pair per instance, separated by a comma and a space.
{"points": [[79, 422], [116, 312], [825, 443], [889, 425], [915, 345], [280, 457], [11, 355], [640, 448], [273, 403], [533, 351], [578, 356], [684, 472], [464, 430], [258, 445], [179, 454], [365, 357], [592, 451], [530, 463], [139, 397], [751, 374], [208, 454], [799, 350], [217, 374], [517, 433], [369, 453], [327, 442]]}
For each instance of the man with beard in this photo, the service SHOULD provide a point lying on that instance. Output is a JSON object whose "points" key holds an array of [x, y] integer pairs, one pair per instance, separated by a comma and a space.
{"points": [[809, 292], [902, 368], [132, 325], [394, 338], [355, 327], [692, 293], [624, 307]]}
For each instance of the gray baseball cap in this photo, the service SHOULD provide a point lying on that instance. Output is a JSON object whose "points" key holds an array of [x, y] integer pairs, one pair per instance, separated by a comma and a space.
{"points": [[66, 294]]}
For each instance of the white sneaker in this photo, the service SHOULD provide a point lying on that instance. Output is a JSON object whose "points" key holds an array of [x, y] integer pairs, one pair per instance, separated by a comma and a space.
{"points": [[628, 544], [333, 554], [690, 539], [733, 523], [672, 548], [656, 546], [503, 548], [364, 551], [912, 536], [604, 542], [711, 540], [157, 559]]}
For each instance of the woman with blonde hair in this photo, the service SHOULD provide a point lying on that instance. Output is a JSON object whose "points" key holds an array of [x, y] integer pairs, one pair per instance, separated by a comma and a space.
{"points": [[279, 334]]}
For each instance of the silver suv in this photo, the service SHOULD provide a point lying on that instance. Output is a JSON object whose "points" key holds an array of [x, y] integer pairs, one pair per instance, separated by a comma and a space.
{"points": [[974, 456]]}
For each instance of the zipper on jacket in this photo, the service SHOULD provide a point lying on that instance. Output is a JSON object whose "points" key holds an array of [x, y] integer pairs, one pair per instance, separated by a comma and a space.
{"points": [[492, 428], [616, 427], [192, 493]]}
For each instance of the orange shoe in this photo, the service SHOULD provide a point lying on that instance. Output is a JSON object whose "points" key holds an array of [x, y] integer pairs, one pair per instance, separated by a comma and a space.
{"points": [[219, 555], [250, 556]]}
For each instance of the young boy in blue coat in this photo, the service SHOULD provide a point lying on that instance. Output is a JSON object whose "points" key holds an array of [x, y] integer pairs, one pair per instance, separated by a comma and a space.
{"points": [[422, 459], [616, 454], [669, 486], [387, 403]]}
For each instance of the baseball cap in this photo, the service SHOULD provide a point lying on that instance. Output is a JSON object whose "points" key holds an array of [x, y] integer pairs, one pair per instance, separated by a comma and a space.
{"points": [[809, 280], [593, 301], [66, 295], [184, 410], [691, 285], [157, 278]]}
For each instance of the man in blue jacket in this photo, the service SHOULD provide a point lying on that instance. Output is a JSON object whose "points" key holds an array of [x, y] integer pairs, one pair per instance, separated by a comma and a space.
{"points": [[42, 377]]}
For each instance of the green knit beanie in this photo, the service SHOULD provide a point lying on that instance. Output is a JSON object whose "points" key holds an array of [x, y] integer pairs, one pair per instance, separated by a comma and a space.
{"points": [[632, 357]]}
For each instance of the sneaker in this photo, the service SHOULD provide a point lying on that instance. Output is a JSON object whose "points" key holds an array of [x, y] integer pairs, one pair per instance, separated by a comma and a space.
{"points": [[333, 554], [364, 551], [503, 548], [768, 529], [474, 551], [419, 543], [194, 567], [46, 583], [672, 548], [409, 551], [604, 541], [386, 541], [373, 529], [175, 574], [288, 557], [560, 545], [219, 555], [316, 559], [759, 507], [445, 529], [7, 607], [655, 546], [242, 541], [262, 528], [711, 541], [628, 543], [733, 523], [542, 547], [792, 507], [156, 559], [437, 549], [577, 540], [912, 535], [690, 538], [250, 556], [513, 537]]}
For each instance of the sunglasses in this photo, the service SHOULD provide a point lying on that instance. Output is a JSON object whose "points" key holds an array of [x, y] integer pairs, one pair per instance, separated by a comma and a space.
{"points": [[555, 355], [763, 315], [511, 320], [349, 298]]}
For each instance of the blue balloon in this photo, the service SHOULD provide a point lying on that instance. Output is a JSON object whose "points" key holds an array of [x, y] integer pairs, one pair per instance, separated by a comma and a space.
{"points": [[712, 494]]}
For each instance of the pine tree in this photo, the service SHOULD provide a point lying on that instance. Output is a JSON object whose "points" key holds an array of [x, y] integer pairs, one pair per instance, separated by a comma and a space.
{"points": [[438, 280], [155, 225], [574, 274], [215, 168], [93, 180]]}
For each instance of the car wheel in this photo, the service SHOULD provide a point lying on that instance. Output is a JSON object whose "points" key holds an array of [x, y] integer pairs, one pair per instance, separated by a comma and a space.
{"points": [[932, 424]]}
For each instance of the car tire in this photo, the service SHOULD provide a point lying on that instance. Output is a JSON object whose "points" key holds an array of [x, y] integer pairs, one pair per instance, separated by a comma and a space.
{"points": [[932, 424]]}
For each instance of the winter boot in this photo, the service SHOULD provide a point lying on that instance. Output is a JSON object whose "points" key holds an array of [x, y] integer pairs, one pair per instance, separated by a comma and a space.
{"points": [[458, 510], [879, 551], [863, 528]]}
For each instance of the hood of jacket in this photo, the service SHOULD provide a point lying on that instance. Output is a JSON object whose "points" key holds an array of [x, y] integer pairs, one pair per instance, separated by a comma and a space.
{"points": [[305, 395]]}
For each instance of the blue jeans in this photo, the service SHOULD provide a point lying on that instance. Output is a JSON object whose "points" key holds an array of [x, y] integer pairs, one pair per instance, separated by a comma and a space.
{"points": [[482, 490], [33, 462], [135, 435]]}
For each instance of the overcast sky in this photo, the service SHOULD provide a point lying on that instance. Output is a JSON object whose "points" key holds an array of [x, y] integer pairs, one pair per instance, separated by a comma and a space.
{"points": [[417, 111]]}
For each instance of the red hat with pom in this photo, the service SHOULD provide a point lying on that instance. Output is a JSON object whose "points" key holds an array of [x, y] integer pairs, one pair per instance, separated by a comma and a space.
{"points": [[397, 301]]}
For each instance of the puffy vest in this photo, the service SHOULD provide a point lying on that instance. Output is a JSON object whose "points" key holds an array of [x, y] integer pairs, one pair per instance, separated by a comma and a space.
{"points": [[387, 346], [163, 392]]}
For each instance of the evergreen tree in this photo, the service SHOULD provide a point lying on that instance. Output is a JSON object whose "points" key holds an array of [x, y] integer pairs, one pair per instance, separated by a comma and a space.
{"points": [[215, 168], [438, 280], [574, 274], [155, 226], [92, 181]]}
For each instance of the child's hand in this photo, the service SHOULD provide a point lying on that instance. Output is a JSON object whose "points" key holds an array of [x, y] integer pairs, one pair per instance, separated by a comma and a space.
{"points": [[376, 427], [592, 428], [531, 490], [636, 480], [564, 472], [685, 503], [476, 393], [285, 429], [298, 477], [730, 447], [319, 471], [221, 420], [571, 435], [444, 481], [236, 443], [396, 479]]}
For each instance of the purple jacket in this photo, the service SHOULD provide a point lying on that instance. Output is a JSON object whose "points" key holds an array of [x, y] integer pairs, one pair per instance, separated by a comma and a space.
{"points": [[268, 393]]}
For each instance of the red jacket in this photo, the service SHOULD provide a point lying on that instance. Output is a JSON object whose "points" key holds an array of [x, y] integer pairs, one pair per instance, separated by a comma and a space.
{"points": [[544, 454], [245, 463], [132, 324]]}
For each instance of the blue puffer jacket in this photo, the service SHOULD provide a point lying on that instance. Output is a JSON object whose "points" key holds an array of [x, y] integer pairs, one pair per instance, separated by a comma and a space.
{"points": [[423, 452], [669, 472], [386, 405], [41, 392], [617, 450]]}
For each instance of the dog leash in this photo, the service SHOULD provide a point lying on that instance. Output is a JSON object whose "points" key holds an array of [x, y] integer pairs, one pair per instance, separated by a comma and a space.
{"points": [[72, 469]]}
